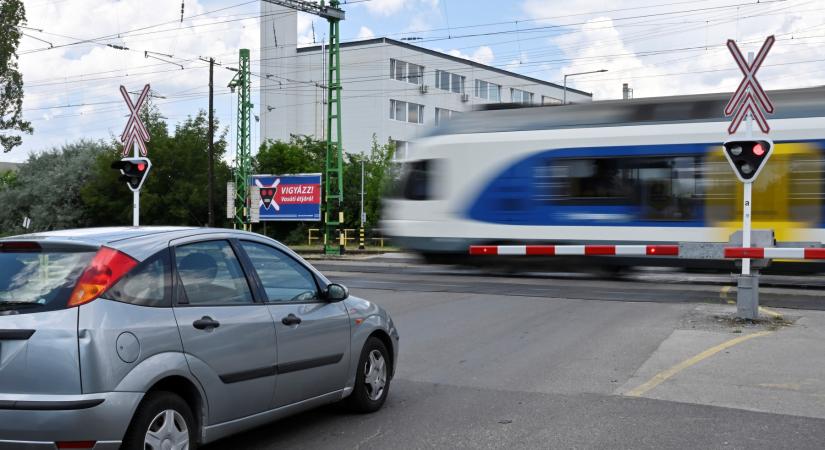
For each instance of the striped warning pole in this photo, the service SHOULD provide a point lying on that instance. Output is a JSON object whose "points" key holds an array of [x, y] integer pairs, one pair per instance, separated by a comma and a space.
{"points": [[774, 253], [575, 250]]}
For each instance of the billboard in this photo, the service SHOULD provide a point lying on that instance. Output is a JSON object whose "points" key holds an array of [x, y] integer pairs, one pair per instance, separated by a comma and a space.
{"points": [[289, 197]]}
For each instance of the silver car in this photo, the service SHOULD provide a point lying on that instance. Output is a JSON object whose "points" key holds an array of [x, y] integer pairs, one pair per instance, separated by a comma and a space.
{"points": [[168, 338]]}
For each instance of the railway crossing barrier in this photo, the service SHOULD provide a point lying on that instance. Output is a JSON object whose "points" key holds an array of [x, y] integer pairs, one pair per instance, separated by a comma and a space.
{"points": [[747, 303]]}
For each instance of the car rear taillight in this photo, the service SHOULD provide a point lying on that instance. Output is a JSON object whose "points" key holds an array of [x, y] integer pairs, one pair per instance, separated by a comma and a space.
{"points": [[107, 267]]}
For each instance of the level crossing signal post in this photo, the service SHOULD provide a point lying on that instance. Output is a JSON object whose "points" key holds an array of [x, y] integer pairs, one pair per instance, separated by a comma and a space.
{"points": [[134, 169], [747, 157]]}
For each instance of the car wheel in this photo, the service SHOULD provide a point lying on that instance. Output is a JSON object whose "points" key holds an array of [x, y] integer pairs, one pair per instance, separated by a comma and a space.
{"points": [[163, 421], [372, 381]]}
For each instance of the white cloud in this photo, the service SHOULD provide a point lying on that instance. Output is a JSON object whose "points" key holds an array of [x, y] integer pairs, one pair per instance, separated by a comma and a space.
{"points": [[306, 34], [515, 64], [483, 55], [592, 37], [417, 8], [384, 7], [365, 33], [88, 75]]}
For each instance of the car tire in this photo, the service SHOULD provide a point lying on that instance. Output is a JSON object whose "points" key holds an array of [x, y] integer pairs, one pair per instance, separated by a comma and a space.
{"points": [[161, 415], [366, 396]]}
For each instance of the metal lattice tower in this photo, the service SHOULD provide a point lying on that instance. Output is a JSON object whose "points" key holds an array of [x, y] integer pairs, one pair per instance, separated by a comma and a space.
{"points": [[333, 165], [243, 155], [333, 170]]}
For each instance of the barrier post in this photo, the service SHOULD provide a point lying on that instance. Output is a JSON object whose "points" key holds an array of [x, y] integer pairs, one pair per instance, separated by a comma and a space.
{"points": [[310, 236]]}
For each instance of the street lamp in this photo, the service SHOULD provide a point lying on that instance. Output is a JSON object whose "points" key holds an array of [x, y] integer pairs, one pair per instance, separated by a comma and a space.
{"points": [[564, 102]]}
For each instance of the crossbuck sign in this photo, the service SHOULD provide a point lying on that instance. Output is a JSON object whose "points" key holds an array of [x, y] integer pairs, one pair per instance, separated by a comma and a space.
{"points": [[749, 96], [135, 132]]}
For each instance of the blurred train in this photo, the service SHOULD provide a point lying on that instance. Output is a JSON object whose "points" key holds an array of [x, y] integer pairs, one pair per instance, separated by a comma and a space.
{"points": [[629, 171]]}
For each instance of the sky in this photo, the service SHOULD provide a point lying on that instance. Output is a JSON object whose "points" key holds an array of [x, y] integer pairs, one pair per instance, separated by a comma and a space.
{"points": [[73, 61]]}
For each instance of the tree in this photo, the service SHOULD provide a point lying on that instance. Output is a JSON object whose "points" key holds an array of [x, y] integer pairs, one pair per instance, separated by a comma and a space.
{"points": [[380, 175], [302, 154], [175, 191], [377, 169], [12, 15], [8, 179], [47, 188]]}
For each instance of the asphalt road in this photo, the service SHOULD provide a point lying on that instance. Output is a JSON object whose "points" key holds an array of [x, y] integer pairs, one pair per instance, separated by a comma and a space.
{"points": [[547, 361]]}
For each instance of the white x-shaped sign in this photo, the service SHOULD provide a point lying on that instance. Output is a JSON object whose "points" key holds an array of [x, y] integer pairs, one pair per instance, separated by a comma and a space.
{"points": [[135, 132], [749, 96]]}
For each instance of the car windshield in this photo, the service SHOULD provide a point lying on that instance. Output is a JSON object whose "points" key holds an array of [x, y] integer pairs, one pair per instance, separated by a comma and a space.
{"points": [[41, 279]]}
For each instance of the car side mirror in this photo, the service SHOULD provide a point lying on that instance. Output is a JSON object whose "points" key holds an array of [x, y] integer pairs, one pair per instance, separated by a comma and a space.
{"points": [[336, 292]]}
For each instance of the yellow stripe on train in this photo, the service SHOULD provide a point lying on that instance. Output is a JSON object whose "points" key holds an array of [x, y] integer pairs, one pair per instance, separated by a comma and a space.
{"points": [[787, 196]]}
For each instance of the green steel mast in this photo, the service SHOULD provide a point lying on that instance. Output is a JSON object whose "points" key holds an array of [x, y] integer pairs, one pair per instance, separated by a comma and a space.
{"points": [[243, 155], [333, 170], [333, 165]]}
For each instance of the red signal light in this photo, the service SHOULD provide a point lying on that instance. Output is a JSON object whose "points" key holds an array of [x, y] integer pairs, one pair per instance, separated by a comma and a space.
{"points": [[142, 166], [758, 150]]}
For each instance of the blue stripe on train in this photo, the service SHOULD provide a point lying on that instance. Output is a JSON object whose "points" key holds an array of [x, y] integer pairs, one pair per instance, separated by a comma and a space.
{"points": [[511, 197]]}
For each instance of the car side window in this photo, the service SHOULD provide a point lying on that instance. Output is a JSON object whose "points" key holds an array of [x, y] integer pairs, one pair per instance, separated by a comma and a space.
{"points": [[283, 278], [211, 274], [145, 285]]}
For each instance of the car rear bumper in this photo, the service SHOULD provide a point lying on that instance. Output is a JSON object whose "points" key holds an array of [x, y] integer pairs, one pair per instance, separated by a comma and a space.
{"points": [[38, 421]]}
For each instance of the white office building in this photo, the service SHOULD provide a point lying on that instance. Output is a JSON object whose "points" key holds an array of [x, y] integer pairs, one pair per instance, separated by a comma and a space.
{"points": [[391, 89]]}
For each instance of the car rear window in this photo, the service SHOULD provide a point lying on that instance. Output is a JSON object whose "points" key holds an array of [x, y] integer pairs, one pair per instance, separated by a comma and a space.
{"points": [[148, 284], [39, 280]]}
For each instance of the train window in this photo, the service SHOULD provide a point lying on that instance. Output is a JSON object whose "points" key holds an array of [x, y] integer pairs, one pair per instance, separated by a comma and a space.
{"points": [[662, 188], [416, 180]]}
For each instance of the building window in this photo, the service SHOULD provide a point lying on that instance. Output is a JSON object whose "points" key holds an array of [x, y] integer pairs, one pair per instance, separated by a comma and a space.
{"points": [[545, 100], [400, 149], [519, 96], [406, 112], [404, 71], [449, 81], [488, 91], [442, 114]]}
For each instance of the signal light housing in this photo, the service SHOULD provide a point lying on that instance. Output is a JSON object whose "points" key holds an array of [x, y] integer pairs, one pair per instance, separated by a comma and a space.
{"points": [[133, 171], [107, 267], [747, 158]]}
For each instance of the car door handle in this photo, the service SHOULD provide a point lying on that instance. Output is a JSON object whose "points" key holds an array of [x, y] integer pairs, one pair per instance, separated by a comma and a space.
{"points": [[206, 323], [291, 319]]}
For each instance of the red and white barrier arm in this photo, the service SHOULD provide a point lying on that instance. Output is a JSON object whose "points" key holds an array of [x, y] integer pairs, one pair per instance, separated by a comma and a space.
{"points": [[576, 250], [774, 253]]}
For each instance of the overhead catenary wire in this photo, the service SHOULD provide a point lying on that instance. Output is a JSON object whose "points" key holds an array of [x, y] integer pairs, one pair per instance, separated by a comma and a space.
{"points": [[384, 76]]}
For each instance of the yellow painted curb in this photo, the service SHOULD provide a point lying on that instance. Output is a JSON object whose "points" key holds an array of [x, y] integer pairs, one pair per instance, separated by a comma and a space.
{"points": [[770, 312], [664, 375]]}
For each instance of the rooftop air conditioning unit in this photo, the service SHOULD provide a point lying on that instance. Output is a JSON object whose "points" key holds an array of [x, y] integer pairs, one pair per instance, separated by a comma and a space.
{"points": [[423, 88], [465, 97]]}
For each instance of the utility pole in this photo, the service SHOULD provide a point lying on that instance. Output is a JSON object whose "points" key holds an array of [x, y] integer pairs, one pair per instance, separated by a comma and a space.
{"points": [[211, 148]]}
